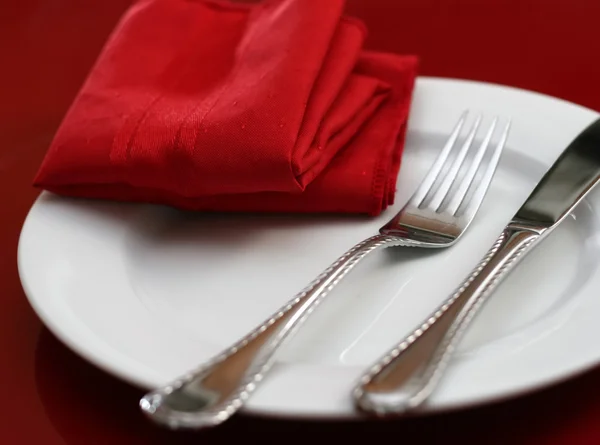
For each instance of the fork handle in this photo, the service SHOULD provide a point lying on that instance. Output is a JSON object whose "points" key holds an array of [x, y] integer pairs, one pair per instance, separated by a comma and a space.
{"points": [[403, 379], [211, 394]]}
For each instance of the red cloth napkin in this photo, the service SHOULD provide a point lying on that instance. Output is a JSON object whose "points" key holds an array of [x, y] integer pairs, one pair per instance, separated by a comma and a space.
{"points": [[211, 105]]}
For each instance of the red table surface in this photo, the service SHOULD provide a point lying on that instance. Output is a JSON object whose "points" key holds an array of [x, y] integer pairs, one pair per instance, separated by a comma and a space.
{"points": [[51, 396]]}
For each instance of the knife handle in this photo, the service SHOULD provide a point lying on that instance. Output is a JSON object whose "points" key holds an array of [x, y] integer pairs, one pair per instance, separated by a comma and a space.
{"points": [[403, 379]]}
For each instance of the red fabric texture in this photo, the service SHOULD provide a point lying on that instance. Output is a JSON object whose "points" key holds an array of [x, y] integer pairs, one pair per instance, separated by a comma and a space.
{"points": [[211, 105]]}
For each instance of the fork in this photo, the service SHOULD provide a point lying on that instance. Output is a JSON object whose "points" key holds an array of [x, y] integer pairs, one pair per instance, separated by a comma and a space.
{"points": [[436, 216]]}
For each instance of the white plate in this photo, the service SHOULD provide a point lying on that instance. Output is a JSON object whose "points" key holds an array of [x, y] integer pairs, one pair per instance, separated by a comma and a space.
{"points": [[147, 292]]}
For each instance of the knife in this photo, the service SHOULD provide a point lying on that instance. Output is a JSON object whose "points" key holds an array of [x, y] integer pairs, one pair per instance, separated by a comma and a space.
{"points": [[407, 375]]}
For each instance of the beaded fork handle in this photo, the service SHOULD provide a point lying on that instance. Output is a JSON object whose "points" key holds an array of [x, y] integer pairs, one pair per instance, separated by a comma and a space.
{"points": [[212, 393]]}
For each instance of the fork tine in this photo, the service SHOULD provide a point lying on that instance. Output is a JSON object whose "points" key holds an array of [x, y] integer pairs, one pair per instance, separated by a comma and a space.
{"points": [[434, 171], [459, 195], [442, 191], [482, 187]]}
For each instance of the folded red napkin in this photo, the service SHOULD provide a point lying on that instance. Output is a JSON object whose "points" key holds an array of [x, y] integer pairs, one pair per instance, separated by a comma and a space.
{"points": [[212, 105]]}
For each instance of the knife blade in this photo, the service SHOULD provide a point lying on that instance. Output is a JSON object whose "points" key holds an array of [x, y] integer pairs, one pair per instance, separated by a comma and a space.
{"points": [[407, 375]]}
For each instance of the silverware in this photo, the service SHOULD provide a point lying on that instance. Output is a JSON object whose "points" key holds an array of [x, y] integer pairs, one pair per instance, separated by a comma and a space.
{"points": [[437, 214], [404, 378]]}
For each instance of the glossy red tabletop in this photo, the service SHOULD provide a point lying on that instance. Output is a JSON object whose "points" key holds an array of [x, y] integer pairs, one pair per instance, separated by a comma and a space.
{"points": [[51, 396]]}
